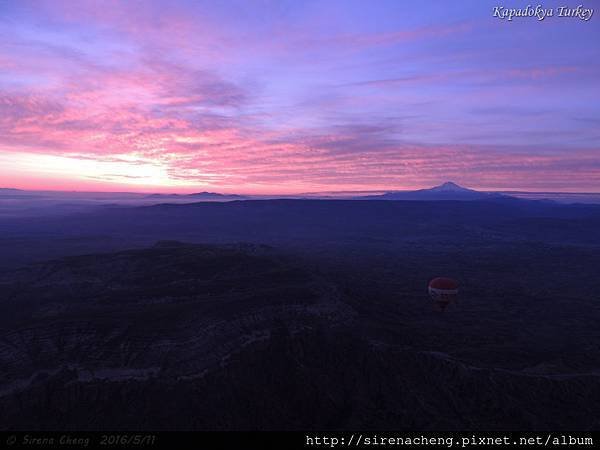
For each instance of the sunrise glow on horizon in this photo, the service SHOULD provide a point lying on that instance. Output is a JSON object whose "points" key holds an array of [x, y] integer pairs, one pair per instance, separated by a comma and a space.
{"points": [[285, 97]]}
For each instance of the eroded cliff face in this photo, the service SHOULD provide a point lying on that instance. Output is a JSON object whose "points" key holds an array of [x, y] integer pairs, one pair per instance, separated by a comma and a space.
{"points": [[165, 317], [238, 337]]}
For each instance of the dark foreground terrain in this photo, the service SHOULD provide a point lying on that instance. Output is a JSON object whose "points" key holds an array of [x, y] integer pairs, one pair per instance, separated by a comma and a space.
{"points": [[319, 321]]}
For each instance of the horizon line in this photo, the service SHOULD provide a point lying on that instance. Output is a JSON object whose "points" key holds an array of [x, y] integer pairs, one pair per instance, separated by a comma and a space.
{"points": [[343, 192]]}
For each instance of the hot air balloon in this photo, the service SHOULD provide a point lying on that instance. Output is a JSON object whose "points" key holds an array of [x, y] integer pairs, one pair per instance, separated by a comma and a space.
{"points": [[443, 291]]}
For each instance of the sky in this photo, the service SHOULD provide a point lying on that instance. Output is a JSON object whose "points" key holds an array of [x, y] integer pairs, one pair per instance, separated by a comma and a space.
{"points": [[264, 97]]}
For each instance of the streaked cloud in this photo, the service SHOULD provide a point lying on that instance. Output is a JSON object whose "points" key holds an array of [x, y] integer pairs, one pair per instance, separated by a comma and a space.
{"points": [[294, 97]]}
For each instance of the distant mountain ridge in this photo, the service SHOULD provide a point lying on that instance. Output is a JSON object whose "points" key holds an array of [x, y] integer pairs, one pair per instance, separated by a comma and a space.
{"points": [[449, 186], [445, 191], [200, 196]]}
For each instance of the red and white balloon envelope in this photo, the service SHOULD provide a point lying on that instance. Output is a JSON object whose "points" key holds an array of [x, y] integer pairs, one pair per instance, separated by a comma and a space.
{"points": [[443, 291]]}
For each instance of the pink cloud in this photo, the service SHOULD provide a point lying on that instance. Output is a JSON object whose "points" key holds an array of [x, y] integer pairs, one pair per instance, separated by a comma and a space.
{"points": [[184, 97]]}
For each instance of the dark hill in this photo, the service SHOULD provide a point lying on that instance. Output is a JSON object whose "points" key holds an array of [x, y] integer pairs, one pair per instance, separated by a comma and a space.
{"points": [[184, 336], [303, 225]]}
